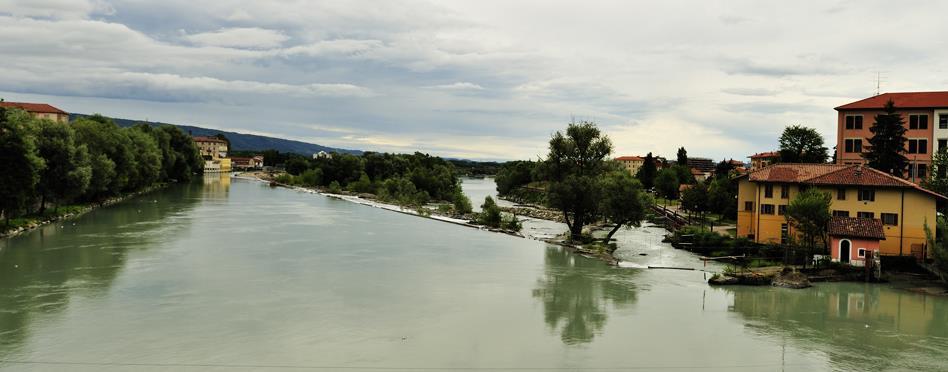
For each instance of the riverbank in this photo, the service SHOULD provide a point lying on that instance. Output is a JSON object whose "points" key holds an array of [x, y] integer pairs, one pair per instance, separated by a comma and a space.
{"points": [[29, 223]]}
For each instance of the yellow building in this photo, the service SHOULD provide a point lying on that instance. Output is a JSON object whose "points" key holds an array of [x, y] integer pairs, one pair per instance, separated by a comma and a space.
{"points": [[214, 152], [40, 111], [631, 163], [857, 191]]}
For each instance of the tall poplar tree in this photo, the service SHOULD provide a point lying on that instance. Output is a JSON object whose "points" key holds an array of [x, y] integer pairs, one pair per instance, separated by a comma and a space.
{"points": [[646, 173], [887, 145], [682, 156]]}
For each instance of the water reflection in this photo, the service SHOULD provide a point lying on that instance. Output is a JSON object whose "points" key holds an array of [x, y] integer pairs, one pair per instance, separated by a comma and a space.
{"points": [[859, 326], [577, 293], [40, 272]]}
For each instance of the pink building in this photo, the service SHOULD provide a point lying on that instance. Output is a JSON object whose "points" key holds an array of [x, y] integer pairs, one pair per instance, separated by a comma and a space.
{"points": [[852, 237]]}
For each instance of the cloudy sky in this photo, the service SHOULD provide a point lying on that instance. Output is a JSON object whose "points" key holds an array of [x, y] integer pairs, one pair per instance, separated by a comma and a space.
{"points": [[474, 79]]}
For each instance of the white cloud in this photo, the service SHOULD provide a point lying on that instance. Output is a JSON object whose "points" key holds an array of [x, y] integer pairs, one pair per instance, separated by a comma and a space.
{"points": [[461, 85], [249, 37]]}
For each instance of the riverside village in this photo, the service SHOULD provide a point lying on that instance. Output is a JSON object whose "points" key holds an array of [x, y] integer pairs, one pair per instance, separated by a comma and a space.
{"points": [[145, 225]]}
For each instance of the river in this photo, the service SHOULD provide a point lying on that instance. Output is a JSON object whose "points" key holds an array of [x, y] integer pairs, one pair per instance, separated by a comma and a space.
{"points": [[235, 275]]}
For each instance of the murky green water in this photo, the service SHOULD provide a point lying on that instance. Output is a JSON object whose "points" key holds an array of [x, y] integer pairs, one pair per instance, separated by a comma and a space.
{"points": [[238, 276]]}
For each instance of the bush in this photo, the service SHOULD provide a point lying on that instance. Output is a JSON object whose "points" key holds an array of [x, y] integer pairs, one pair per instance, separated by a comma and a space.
{"points": [[363, 185], [284, 178], [334, 187], [490, 213], [461, 203], [510, 222], [310, 177]]}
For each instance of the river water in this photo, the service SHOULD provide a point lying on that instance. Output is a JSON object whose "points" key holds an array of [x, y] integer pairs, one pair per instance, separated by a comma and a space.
{"points": [[234, 275]]}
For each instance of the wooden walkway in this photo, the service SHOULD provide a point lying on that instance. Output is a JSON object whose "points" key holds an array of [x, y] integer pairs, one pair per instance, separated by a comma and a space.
{"points": [[673, 220]]}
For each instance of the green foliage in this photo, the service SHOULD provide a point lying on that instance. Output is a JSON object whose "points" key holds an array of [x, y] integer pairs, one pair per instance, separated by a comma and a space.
{"points": [[682, 157], [683, 173], [886, 148], [799, 144], [402, 191], [68, 171], [334, 187], [285, 178], [666, 183], [809, 213], [310, 177], [695, 198], [513, 175], [296, 166], [20, 164], [510, 222], [575, 163], [722, 197], [461, 203], [648, 171], [362, 185], [939, 245], [938, 179], [701, 237], [623, 202], [490, 213]]}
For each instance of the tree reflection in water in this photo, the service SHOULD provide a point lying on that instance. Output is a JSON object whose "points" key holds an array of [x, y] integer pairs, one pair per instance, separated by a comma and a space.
{"points": [[40, 271], [577, 291]]}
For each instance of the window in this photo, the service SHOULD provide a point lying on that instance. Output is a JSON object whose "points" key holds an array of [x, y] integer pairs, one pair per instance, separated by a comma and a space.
{"points": [[854, 122], [784, 192], [861, 252], [942, 143], [784, 233], [890, 219], [768, 191], [867, 195], [917, 146], [748, 206], [918, 121], [840, 213], [869, 215], [766, 209], [841, 193], [781, 210], [853, 145], [921, 171], [942, 121]]}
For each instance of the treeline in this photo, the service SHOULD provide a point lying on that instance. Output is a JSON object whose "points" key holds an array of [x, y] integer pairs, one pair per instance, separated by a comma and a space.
{"points": [[45, 162], [406, 179]]}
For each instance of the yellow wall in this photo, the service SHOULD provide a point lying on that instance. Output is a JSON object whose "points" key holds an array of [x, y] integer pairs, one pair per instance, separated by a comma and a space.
{"points": [[918, 208]]}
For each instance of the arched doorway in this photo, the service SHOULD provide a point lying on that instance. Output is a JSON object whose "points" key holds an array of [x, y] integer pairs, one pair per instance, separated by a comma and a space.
{"points": [[845, 247]]}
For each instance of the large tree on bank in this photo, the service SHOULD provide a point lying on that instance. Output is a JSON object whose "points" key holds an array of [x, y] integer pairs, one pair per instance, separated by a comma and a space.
{"points": [[809, 213], [887, 145], [799, 144], [19, 163], [575, 163], [623, 202]]}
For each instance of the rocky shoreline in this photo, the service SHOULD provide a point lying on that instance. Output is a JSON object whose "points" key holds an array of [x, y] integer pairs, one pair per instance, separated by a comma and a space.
{"points": [[86, 209]]}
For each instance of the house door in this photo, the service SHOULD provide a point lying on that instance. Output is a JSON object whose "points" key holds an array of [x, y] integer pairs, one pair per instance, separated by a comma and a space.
{"points": [[845, 247]]}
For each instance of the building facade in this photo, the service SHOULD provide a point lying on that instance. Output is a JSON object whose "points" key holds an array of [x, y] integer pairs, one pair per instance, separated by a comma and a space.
{"points": [[214, 152], [925, 115], [903, 207], [631, 163], [40, 111], [763, 159]]}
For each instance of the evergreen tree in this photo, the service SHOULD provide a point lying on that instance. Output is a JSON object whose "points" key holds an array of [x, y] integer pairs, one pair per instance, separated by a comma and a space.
{"points": [[799, 144], [887, 144], [19, 163], [646, 174], [682, 156]]}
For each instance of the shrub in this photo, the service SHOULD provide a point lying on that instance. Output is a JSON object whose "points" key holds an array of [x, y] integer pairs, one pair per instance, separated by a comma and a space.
{"points": [[334, 187], [490, 213], [510, 222], [461, 203], [310, 177]]}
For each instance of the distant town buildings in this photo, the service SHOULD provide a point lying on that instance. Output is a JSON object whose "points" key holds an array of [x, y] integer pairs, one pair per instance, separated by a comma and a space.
{"points": [[214, 152], [322, 155], [631, 163], [40, 110], [247, 163], [763, 159], [926, 119]]}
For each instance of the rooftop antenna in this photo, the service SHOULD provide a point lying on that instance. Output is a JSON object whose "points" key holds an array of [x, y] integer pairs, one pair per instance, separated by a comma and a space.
{"points": [[879, 79]]}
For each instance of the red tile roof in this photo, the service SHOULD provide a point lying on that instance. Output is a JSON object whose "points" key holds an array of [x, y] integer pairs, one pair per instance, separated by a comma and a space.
{"points": [[832, 174], [902, 100], [630, 158], [34, 107], [770, 154], [854, 227], [208, 139]]}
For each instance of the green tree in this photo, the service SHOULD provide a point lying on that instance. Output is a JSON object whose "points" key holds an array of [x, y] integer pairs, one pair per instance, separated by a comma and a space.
{"points": [[19, 163], [512, 175], [809, 214], [695, 199], [666, 183], [575, 162], [103, 138], [67, 172], [723, 169], [148, 157], [887, 145], [722, 197], [799, 144], [623, 202], [939, 245], [647, 172], [682, 156], [490, 213], [183, 159], [683, 173], [296, 165], [461, 203], [938, 179]]}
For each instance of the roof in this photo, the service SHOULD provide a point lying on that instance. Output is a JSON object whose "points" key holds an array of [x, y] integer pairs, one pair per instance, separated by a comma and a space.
{"points": [[630, 158], [208, 139], [696, 172], [901, 100], [34, 107], [769, 154], [855, 227], [832, 174]]}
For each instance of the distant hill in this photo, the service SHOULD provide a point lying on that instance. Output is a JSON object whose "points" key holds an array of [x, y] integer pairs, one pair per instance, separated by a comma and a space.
{"points": [[244, 142]]}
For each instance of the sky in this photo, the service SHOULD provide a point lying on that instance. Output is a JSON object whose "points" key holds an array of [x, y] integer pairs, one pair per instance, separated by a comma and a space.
{"points": [[483, 80]]}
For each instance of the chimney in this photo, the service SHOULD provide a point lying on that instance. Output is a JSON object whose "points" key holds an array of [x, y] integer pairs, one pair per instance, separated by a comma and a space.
{"points": [[858, 172]]}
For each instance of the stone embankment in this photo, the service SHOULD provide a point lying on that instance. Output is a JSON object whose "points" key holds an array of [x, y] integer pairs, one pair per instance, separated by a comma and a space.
{"points": [[785, 278]]}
